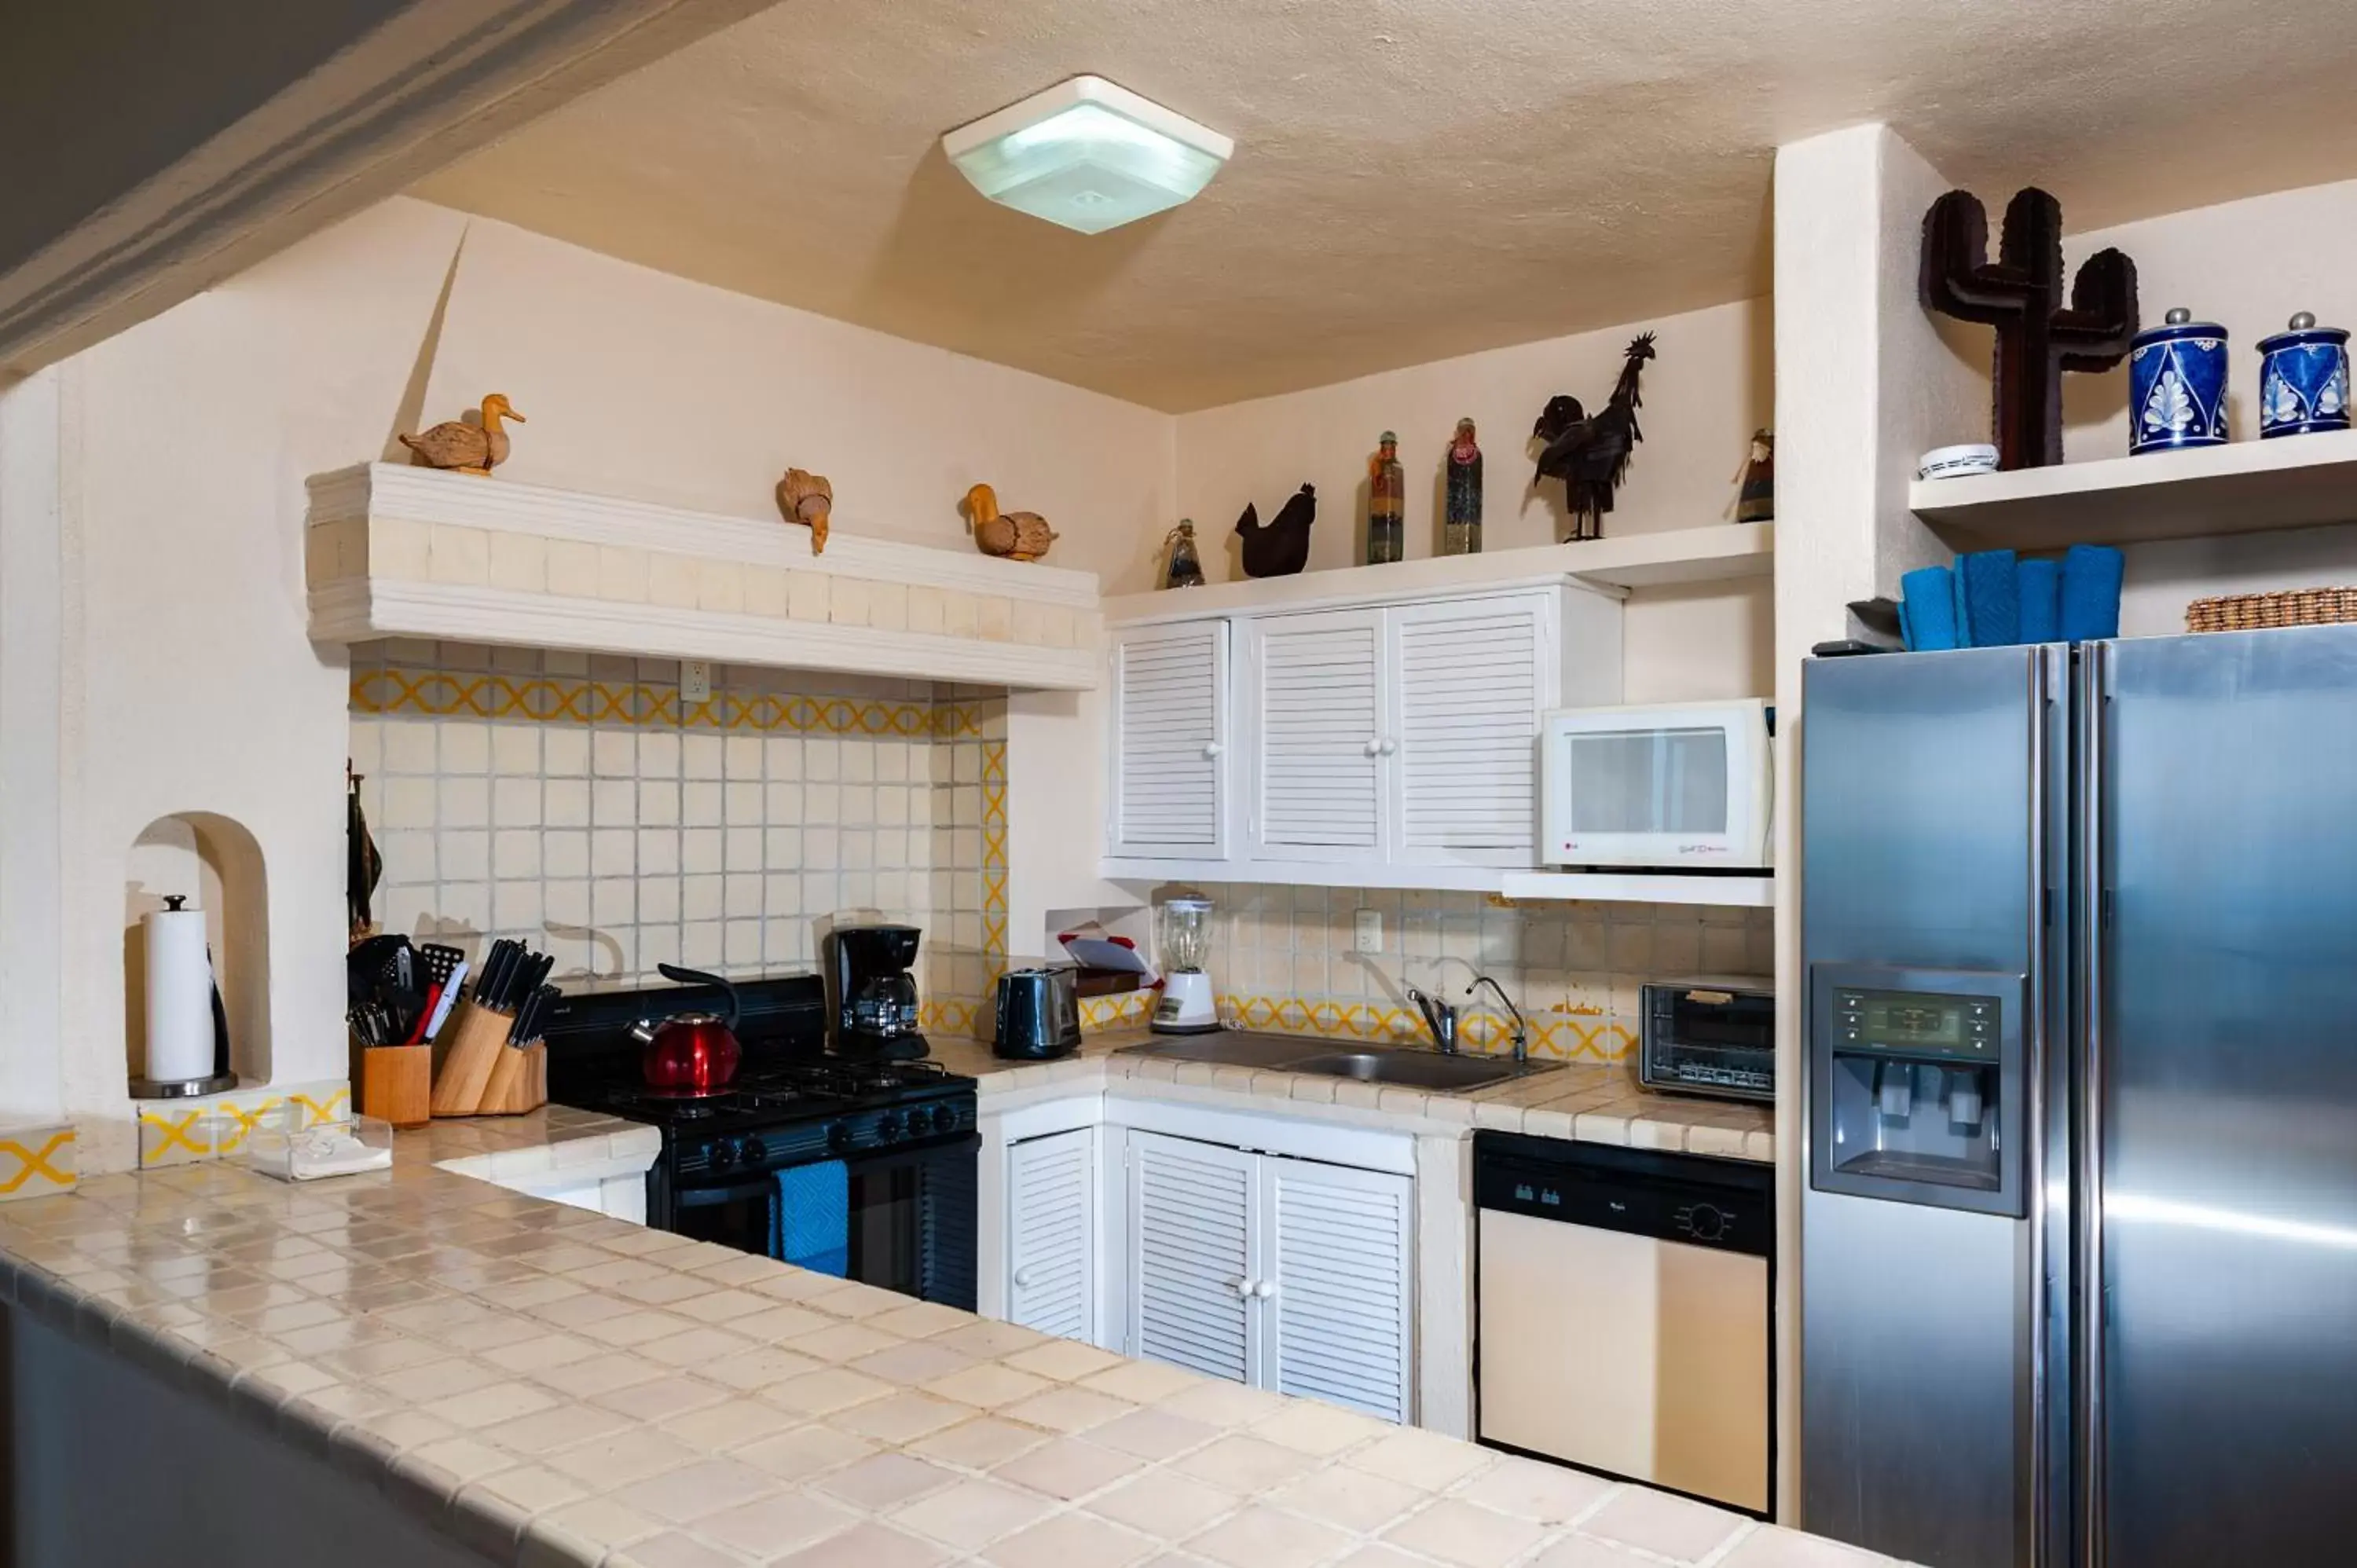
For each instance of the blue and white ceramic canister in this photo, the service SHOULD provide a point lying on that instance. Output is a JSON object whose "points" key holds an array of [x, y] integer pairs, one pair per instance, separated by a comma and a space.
{"points": [[2177, 385], [2304, 378]]}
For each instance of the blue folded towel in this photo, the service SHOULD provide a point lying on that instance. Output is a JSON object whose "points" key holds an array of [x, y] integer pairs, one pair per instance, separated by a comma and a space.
{"points": [[1989, 603], [1927, 609], [2041, 588], [2090, 592], [810, 1224]]}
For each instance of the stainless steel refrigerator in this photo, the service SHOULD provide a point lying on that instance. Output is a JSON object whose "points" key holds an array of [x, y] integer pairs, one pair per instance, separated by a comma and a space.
{"points": [[2079, 1228]]}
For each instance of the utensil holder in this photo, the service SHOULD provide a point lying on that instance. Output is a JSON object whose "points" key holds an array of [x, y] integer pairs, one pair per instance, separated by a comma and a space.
{"points": [[397, 1084], [519, 1082], [479, 1036]]}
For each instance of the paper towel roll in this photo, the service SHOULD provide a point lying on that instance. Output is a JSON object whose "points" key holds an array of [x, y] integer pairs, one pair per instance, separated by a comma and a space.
{"points": [[180, 996]]}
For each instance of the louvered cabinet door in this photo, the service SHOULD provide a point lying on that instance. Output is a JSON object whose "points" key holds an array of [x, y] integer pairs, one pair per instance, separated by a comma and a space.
{"points": [[1168, 792], [1190, 1252], [1317, 694], [1051, 1233], [1472, 679], [1338, 1285]]}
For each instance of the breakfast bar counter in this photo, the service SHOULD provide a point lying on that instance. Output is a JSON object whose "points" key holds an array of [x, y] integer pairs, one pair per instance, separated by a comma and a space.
{"points": [[439, 1371]]}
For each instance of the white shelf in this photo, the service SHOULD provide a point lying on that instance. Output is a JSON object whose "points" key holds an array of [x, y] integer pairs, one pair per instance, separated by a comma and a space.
{"points": [[1614, 887], [1723, 552], [392, 551], [1628, 887], [2246, 486]]}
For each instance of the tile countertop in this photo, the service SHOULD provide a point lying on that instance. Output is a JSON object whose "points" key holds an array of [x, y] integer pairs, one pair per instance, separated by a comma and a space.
{"points": [[1594, 1103], [553, 1387]]}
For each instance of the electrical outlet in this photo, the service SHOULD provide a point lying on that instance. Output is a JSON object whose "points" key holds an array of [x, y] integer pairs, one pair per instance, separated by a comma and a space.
{"points": [[695, 681], [1367, 931]]}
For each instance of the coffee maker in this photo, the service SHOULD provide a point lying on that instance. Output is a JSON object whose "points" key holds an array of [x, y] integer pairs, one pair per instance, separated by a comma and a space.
{"points": [[871, 996]]}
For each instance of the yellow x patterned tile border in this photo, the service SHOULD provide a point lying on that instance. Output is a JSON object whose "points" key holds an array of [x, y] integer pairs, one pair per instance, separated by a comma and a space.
{"points": [[540, 699], [36, 1162], [182, 1131]]}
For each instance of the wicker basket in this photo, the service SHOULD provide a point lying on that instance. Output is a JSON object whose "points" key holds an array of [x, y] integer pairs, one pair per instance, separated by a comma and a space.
{"points": [[2249, 612]]}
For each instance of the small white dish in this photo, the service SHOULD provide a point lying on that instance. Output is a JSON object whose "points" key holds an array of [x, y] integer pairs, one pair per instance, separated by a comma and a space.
{"points": [[1951, 462]]}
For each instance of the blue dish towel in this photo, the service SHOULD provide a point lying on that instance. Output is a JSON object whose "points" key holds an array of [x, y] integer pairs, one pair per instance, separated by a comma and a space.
{"points": [[2041, 586], [1927, 609], [809, 1225], [2090, 592], [1988, 605]]}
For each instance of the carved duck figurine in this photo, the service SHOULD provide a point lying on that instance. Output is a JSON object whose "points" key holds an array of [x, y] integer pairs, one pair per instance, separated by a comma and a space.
{"points": [[1016, 535], [469, 449]]}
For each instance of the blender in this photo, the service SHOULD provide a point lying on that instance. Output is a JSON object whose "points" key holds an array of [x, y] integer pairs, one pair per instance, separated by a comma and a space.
{"points": [[1183, 937]]}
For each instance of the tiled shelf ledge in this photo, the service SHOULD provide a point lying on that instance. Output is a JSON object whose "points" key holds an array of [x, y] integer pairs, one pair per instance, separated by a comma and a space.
{"points": [[400, 551]]}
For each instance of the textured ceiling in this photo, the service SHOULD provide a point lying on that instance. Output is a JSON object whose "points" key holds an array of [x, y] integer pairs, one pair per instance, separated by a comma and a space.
{"points": [[1414, 178]]}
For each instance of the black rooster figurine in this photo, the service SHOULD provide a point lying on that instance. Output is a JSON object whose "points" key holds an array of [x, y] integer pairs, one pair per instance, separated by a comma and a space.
{"points": [[1279, 547], [1591, 456]]}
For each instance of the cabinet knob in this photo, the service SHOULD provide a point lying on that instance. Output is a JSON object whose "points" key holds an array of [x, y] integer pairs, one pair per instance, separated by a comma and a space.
{"points": [[1374, 748], [1390, 746], [1264, 1289], [1023, 1279], [1212, 748], [1243, 1289]]}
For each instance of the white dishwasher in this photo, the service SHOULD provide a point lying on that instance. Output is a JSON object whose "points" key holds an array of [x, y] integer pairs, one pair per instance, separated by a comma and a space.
{"points": [[1624, 1313]]}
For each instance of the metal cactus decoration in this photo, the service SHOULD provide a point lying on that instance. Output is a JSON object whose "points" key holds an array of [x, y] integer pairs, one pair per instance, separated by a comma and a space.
{"points": [[2037, 336]]}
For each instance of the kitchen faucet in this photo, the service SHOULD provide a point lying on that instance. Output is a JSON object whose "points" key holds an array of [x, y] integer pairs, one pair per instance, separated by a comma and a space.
{"points": [[1521, 1030], [1439, 1017]]}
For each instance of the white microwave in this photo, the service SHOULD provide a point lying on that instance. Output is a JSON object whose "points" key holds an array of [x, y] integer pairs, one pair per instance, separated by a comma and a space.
{"points": [[1665, 786]]}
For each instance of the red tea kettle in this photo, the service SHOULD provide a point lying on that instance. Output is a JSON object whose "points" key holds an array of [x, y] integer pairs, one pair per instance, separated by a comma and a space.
{"points": [[689, 1053]]}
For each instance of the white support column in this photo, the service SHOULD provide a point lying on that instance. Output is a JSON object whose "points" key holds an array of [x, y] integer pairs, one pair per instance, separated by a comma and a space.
{"points": [[1055, 813], [1866, 381], [31, 829]]}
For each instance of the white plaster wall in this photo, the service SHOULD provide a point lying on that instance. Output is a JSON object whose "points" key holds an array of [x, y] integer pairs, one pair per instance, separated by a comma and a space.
{"points": [[637, 384], [1709, 388], [31, 719]]}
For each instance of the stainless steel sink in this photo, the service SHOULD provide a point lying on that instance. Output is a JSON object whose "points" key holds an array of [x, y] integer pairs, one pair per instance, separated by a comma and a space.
{"points": [[1409, 1068]]}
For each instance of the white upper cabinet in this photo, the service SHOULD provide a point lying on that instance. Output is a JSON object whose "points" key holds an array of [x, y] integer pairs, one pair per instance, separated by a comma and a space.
{"points": [[1314, 706], [1469, 682], [1169, 725], [1051, 1230]]}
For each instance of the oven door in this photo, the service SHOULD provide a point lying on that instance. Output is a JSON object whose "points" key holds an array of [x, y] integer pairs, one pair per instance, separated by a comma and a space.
{"points": [[911, 1225]]}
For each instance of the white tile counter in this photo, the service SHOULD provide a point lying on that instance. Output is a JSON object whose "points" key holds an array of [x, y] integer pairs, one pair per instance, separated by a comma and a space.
{"points": [[547, 1386]]}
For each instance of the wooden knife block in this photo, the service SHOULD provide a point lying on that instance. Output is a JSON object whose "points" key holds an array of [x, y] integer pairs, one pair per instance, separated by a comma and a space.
{"points": [[397, 1083], [481, 1074]]}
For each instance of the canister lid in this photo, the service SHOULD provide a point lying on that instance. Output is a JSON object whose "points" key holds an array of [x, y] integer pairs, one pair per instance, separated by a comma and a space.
{"points": [[2302, 329], [2177, 324]]}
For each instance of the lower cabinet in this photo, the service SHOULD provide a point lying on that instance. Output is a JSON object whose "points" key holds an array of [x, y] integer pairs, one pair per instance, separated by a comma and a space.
{"points": [[1051, 1233], [1286, 1273]]}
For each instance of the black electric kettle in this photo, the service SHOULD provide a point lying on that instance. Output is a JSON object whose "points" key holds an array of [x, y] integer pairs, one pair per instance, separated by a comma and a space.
{"points": [[1039, 1014]]}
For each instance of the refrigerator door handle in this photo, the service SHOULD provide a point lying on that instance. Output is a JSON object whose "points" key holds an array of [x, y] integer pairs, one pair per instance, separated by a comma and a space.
{"points": [[2093, 867], [2035, 1044]]}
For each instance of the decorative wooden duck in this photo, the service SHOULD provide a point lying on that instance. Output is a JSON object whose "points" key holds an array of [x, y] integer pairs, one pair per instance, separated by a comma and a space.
{"points": [[1017, 535], [807, 498], [469, 449]]}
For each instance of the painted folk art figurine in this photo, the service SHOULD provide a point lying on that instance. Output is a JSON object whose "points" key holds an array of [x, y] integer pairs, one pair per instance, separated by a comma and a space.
{"points": [[1279, 547], [1386, 504], [1460, 524], [466, 448], [1756, 503], [1182, 566], [1016, 535], [1590, 456], [807, 498], [2039, 333]]}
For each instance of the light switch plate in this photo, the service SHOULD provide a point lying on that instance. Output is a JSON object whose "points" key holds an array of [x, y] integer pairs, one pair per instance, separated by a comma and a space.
{"points": [[1367, 931], [695, 681]]}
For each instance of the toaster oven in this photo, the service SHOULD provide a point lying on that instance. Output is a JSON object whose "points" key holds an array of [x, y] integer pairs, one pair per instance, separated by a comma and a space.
{"points": [[1715, 1036]]}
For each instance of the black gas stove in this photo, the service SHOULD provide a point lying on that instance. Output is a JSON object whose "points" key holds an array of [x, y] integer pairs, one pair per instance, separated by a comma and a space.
{"points": [[747, 1166]]}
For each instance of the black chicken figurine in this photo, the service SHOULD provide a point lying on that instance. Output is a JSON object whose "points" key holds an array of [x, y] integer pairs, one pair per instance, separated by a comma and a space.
{"points": [[1591, 456], [1279, 547]]}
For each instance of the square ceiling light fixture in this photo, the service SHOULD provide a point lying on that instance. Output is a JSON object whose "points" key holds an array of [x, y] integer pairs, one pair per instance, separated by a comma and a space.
{"points": [[1087, 155]]}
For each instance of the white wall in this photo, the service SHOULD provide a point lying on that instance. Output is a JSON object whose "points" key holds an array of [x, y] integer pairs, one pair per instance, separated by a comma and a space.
{"points": [[183, 444], [637, 384]]}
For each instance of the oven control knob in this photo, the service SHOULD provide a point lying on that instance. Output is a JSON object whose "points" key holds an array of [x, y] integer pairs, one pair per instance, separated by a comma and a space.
{"points": [[745, 1149], [945, 1119], [719, 1154], [838, 1137], [1704, 1223], [890, 1127]]}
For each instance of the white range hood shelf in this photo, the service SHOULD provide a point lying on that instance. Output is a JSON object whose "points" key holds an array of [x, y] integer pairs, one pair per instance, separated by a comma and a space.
{"points": [[392, 551]]}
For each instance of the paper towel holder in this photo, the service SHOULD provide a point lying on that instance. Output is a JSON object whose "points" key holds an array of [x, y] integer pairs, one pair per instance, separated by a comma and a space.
{"points": [[216, 1082]]}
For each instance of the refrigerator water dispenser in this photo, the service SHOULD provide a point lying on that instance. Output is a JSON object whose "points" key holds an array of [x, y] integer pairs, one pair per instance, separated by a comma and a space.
{"points": [[1917, 1086]]}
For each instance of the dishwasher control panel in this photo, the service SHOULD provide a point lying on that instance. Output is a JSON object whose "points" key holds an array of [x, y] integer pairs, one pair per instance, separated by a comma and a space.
{"points": [[1724, 1204]]}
